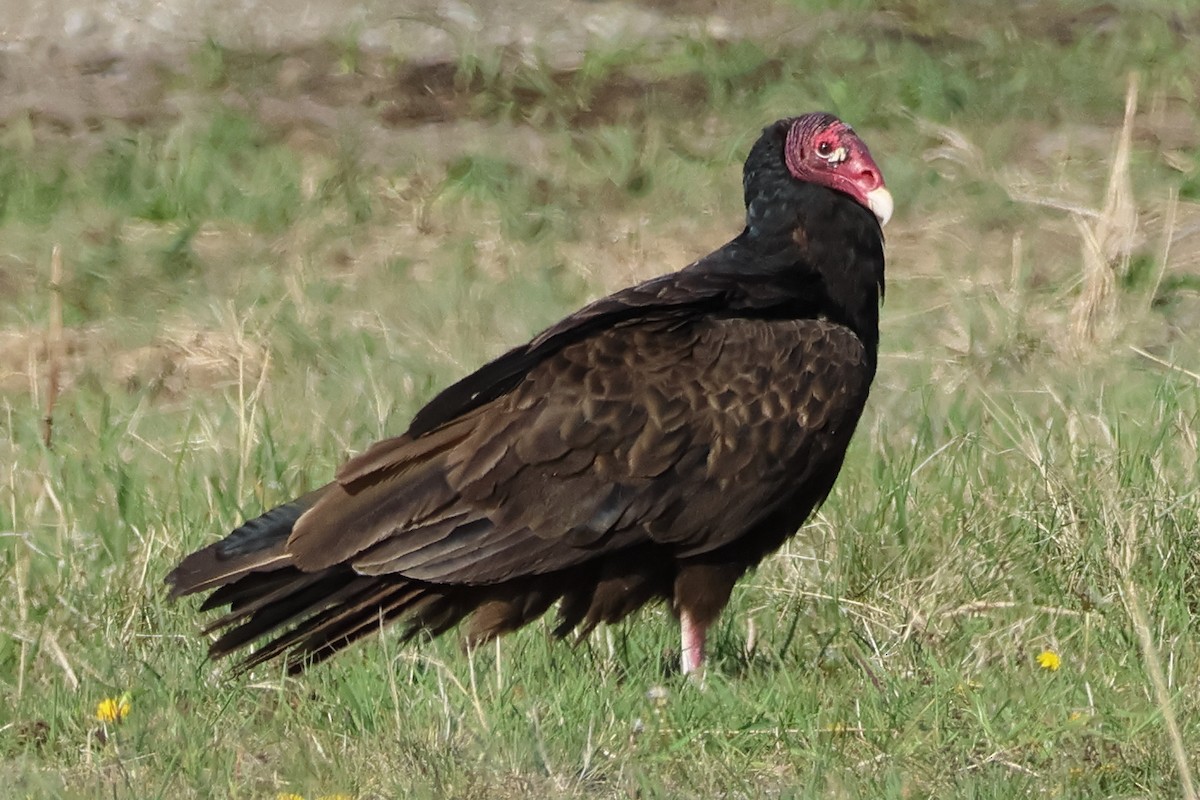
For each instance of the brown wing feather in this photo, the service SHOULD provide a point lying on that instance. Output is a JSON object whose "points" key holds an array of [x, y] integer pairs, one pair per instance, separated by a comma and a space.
{"points": [[257, 546], [670, 437]]}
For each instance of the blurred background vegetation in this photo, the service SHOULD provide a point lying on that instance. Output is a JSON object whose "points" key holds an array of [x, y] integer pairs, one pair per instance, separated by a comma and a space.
{"points": [[273, 248]]}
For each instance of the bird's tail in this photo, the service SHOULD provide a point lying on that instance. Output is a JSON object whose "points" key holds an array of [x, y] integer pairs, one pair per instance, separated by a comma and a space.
{"points": [[251, 572], [307, 616]]}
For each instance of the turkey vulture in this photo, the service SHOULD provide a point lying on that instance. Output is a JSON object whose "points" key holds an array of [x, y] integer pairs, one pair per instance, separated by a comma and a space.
{"points": [[655, 444]]}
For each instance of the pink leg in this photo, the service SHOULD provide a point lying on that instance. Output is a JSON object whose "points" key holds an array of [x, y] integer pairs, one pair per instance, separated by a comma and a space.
{"points": [[692, 633]]}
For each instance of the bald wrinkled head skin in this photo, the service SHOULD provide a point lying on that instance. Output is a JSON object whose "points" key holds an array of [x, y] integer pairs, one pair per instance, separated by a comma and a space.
{"points": [[822, 149], [654, 445]]}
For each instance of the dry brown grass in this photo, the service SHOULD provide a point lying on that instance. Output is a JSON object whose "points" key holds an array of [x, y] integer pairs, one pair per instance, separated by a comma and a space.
{"points": [[1108, 239]]}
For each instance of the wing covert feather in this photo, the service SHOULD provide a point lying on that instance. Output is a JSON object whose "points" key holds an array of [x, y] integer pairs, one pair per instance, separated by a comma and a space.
{"points": [[680, 436]]}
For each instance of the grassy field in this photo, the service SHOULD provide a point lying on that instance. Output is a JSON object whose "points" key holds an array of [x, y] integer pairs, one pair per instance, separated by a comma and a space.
{"points": [[280, 256]]}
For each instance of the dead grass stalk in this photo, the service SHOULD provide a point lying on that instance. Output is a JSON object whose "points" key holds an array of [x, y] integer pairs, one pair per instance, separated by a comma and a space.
{"points": [[1107, 239], [55, 351]]}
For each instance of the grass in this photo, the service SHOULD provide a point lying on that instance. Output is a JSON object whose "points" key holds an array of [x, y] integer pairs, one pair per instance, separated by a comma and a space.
{"points": [[251, 294]]}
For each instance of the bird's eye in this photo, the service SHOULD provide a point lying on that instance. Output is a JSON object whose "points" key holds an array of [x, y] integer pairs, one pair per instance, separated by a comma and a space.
{"points": [[824, 149]]}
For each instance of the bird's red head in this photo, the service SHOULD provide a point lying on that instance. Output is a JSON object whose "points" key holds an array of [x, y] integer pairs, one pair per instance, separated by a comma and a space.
{"points": [[822, 149]]}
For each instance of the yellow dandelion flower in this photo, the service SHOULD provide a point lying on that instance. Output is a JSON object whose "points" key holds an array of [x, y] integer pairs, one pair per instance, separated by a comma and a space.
{"points": [[113, 709], [1048, 659]]}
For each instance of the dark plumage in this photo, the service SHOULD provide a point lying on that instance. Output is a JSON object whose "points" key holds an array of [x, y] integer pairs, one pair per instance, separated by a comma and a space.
{"points": [[655, 444]]}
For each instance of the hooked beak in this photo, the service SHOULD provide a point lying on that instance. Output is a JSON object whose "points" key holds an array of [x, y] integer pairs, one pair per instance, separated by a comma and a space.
{"points": [[879, 200]]}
